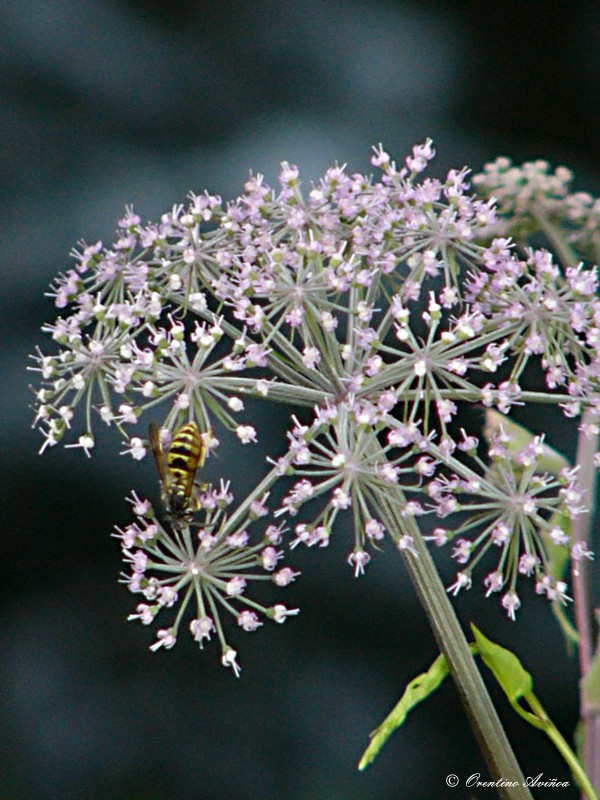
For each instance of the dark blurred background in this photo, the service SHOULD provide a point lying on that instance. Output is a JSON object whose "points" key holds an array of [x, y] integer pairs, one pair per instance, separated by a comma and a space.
{"points": [[139, 101]]}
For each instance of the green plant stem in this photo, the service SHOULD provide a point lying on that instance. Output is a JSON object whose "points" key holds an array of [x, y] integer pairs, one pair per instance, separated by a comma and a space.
{"points": [[452, 642], [580, 573], [557, 238], [545, 724], [581, 532]]}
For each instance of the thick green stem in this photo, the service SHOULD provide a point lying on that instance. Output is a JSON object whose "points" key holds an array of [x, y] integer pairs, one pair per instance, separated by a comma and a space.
{"points": [[453, 644], [590, 718]]}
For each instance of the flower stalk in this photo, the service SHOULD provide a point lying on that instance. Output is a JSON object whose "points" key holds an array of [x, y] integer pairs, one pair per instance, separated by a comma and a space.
{"points": [[482, 716], [588, 480]]}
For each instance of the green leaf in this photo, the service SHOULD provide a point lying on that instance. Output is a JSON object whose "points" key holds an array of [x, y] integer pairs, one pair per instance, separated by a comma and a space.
{"points": [[558, 561], [517, 683], [558, 556], [552, 462], [417, 690], [549, 461], [591, 684], [513, 678]]}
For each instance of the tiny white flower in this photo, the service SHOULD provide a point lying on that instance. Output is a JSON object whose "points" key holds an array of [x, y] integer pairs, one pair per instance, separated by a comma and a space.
{"points": [[246, 433]]}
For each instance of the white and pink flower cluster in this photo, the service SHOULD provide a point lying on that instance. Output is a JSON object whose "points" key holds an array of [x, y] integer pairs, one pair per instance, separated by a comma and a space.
{"points": [[377, 309]]}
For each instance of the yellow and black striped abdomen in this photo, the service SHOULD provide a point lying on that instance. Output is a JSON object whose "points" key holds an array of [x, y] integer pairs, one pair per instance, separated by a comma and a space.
{"points": [[185, 455]]}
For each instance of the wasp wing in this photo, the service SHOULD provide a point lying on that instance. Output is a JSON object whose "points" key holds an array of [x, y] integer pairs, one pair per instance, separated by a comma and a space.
{"points": [[159, 455]]}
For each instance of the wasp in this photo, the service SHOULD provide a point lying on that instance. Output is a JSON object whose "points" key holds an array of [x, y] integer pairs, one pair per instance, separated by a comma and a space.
{"points": [[178, 466]]}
